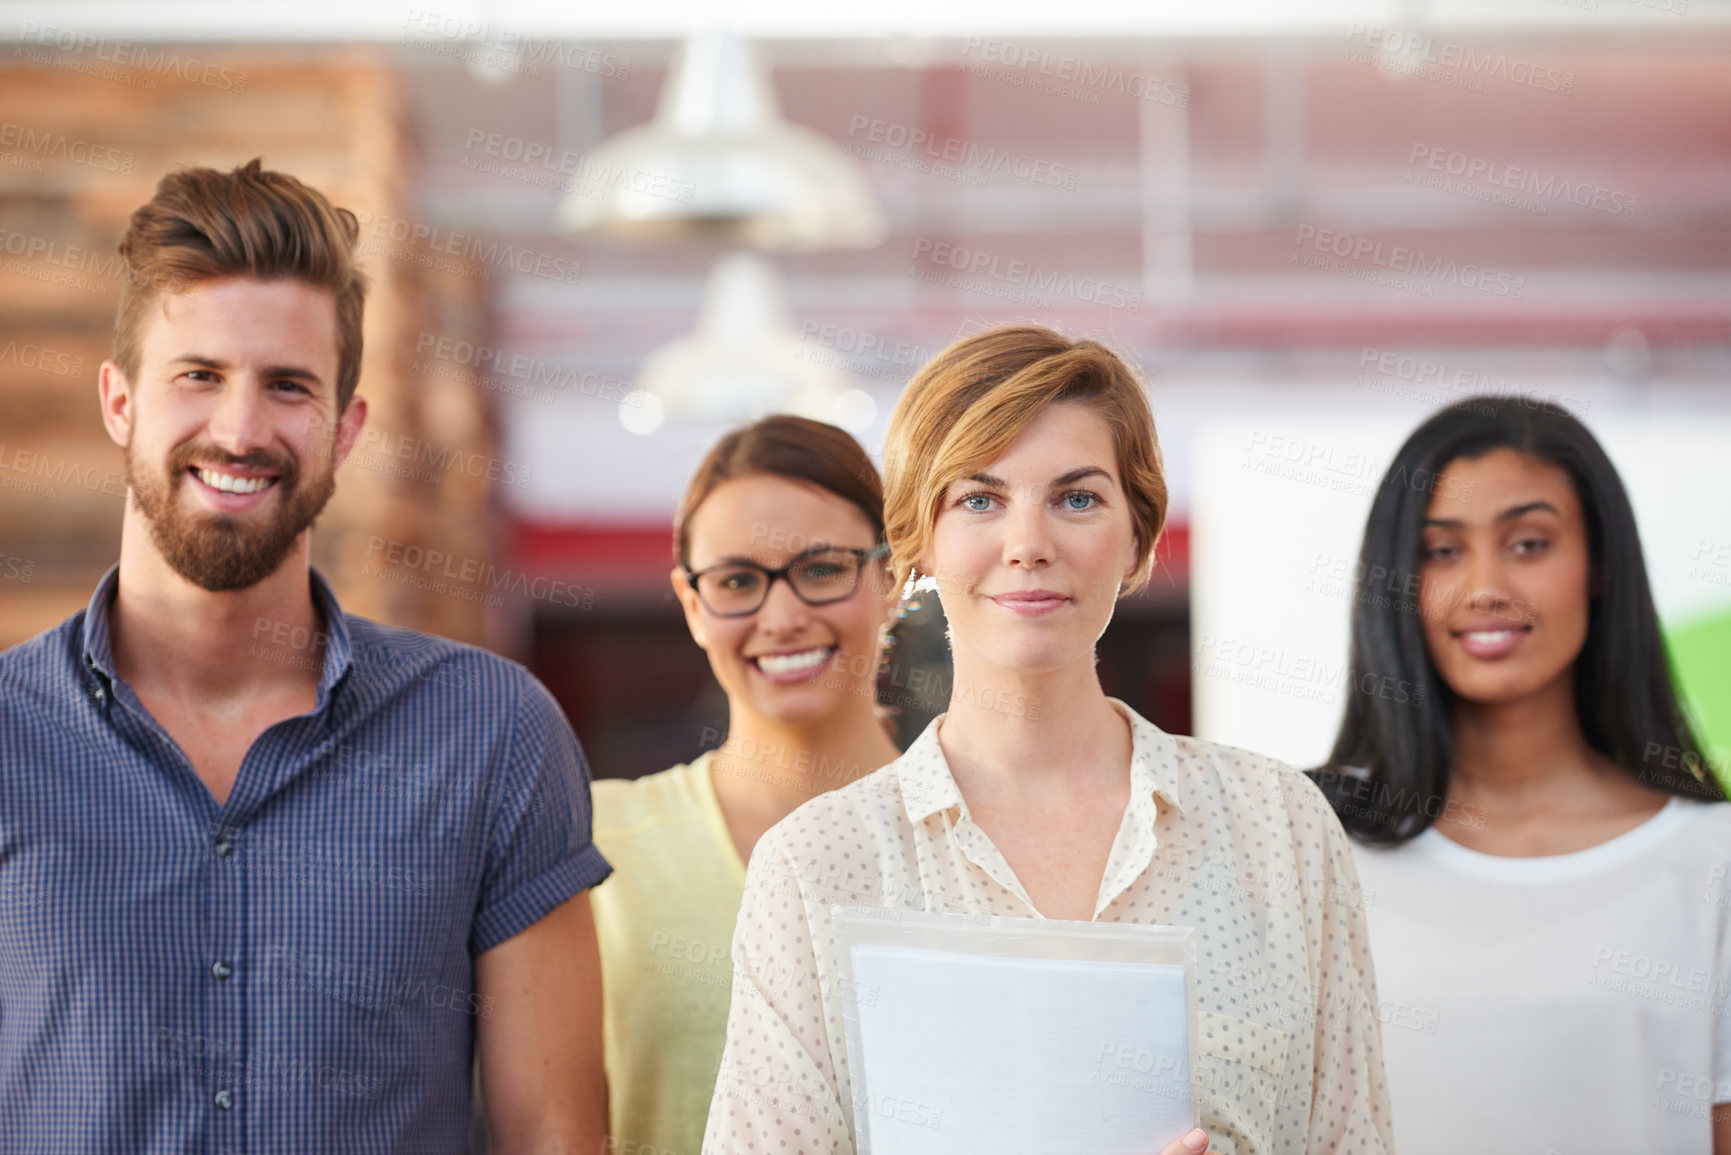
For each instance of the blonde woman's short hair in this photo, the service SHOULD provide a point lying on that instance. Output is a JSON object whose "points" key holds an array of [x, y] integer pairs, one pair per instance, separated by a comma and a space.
{"points": [[970, 402]]}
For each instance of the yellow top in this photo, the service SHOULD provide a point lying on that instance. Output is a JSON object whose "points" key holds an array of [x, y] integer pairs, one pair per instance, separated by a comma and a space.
{"points": [[665, 921]]}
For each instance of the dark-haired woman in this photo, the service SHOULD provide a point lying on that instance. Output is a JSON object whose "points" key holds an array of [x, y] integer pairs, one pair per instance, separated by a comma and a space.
{"points": [[1540, 844], [780, 572]]}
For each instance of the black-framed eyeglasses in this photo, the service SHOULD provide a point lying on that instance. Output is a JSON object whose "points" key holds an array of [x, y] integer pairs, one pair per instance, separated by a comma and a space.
{"points": [[817, 577]]}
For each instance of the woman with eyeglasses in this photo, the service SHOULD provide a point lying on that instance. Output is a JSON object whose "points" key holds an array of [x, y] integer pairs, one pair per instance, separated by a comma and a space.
{"points": [[781, 575]]}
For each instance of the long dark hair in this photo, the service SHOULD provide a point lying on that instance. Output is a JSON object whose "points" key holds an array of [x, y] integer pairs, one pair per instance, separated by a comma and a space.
{"points": [[1388, 776]]}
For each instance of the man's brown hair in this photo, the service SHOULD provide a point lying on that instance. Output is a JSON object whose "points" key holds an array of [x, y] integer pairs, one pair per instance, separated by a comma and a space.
{"points": [[203, 224], [970, 402]]}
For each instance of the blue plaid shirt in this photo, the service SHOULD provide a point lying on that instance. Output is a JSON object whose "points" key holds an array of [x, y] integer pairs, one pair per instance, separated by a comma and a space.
{"points": [[292, 971]]}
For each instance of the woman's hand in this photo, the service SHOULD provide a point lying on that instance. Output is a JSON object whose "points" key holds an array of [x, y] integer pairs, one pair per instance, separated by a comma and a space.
{"points": [[1194, 1143]]}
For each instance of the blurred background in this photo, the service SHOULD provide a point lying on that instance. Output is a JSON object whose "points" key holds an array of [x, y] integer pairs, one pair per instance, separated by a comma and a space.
{"points": [[601, 235]]}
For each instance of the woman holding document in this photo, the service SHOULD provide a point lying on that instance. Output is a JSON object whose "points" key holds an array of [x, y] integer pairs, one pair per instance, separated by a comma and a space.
{"points": [[1549, 855], [781, 574], [1023, 478]]}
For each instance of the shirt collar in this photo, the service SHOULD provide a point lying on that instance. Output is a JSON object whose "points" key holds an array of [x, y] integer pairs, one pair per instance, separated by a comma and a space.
{"points": [[339, 651], [97, 653], [928, 787], [339, 655]]}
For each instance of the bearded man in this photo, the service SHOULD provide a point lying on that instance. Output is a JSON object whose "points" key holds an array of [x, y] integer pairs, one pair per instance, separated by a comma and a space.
{"points": [[271, 876]]}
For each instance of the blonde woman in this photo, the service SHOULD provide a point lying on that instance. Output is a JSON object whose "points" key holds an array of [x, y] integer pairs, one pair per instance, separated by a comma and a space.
{"points": [[1023, 475]]}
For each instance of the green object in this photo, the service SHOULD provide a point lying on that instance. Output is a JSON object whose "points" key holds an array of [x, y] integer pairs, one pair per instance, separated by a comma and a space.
{"points": [[1701, 656]]}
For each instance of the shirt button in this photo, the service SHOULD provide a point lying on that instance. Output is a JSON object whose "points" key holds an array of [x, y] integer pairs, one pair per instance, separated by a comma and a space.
{"points": [[221, 969], [225, 1099], [98, 693], [224, 848]]}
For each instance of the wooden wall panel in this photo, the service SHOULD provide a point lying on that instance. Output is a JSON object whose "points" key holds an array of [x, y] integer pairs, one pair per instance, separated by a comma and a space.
{"points": [[79, 152]]}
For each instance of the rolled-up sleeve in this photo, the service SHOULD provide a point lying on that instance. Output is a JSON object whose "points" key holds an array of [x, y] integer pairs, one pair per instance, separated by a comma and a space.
{"points": [[540, 849], [779, 1088]]}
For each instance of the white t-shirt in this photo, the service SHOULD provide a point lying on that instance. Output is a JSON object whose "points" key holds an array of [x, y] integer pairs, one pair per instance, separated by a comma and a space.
{"points": [[1575, 1004]]}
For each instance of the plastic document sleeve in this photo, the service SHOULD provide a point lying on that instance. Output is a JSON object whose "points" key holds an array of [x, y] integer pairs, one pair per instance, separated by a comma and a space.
{"points": [[1018, 1036]]}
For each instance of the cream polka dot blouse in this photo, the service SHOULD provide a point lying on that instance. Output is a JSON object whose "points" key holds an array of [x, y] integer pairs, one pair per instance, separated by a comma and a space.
{"points": [[1239, 846]]}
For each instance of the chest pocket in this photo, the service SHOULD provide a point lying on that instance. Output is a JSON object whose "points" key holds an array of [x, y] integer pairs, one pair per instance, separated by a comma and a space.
{"points": [[1240, 1080]]}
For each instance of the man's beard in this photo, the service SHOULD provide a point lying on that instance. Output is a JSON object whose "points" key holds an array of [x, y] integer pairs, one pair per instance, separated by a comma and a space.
{"points": [[215, 551]]}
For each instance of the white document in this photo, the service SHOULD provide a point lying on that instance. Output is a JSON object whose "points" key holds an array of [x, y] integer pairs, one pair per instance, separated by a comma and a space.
{"points": [[1019, 1056]]}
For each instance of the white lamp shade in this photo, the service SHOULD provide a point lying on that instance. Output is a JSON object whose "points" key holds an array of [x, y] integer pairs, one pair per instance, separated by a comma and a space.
{"points": [[745, 359], [719, 163]]}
